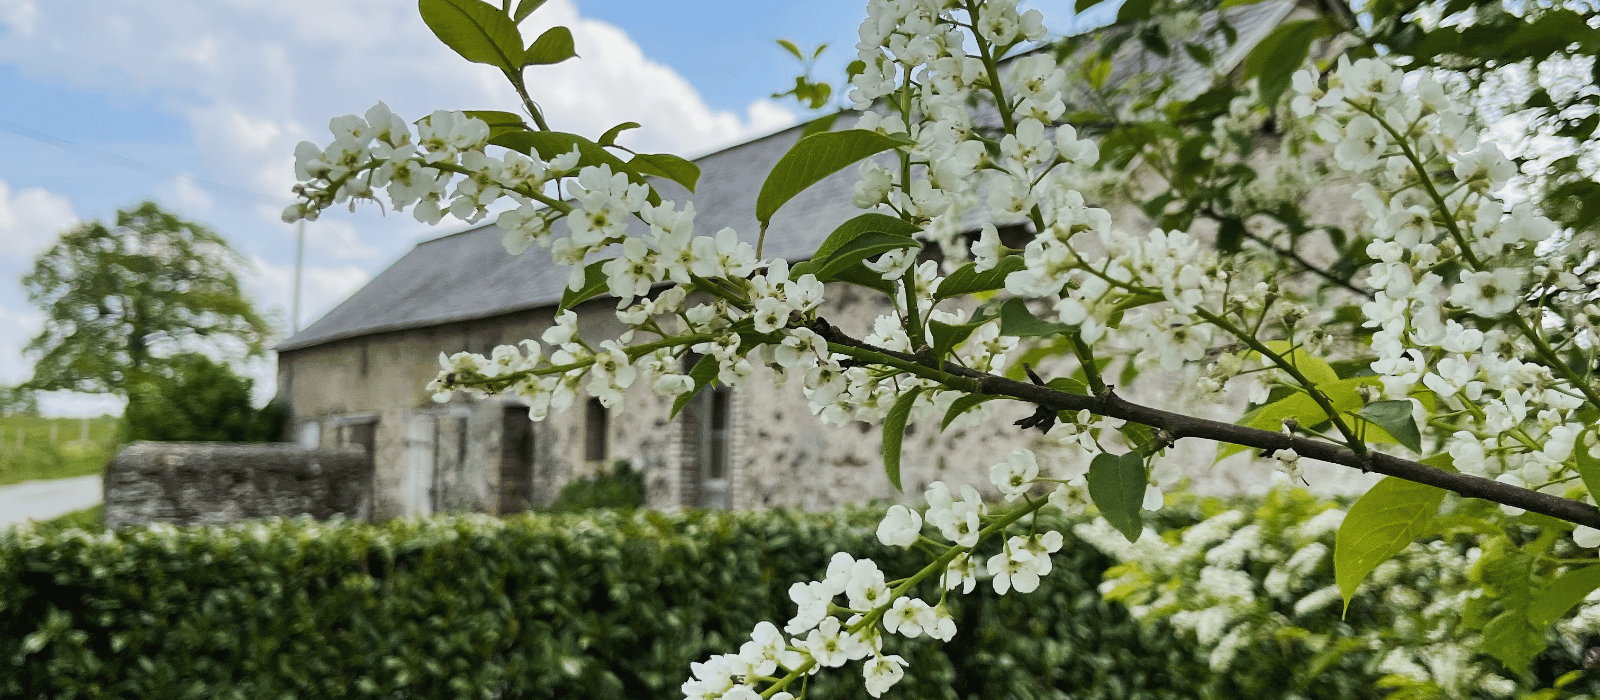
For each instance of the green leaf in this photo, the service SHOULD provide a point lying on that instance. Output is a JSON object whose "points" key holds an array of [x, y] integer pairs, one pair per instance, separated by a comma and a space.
{"points": [[859, 249], [1081, 5], [553, 46], [1509, 638], [1152, 40], [594, 284], [961, 406], [1567, 679], [1552, 32], [1131, 301], [1588, 467], [792, 49], [894, 431], [1069, 385], [610, 137], [525, 8], [1134, 11], [703, 373], [860, 276], [1313, 368], [947, 336], [819, 125], [1396, 419], [1566, 591], [1140, 436], [478, 31], [499, 122], [1099, 73], [1277, 57], [870, 222], [1392, 514], [667, 166], [1302, 408], [968, 280], [1578, 200], [1117, 486], [815, 157], [1017, 320], [1230, 235]]}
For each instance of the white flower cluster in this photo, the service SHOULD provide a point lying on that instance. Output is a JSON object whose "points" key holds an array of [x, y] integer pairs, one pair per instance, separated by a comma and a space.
{"points": [[551, 383], [1403, 133], [1089, 288], [1201, 582], [917, 48], [818, 638], [827, 642], [379, 152]]}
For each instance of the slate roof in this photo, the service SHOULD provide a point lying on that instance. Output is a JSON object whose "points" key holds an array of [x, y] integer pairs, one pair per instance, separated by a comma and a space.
{"points": [[468, 275]]}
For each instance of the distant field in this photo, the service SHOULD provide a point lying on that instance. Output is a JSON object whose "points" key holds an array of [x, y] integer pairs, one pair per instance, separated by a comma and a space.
{"points": [[54, 448]]}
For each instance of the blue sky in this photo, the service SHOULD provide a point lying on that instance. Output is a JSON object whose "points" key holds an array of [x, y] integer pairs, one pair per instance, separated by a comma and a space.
{"points": [[210, 96]]}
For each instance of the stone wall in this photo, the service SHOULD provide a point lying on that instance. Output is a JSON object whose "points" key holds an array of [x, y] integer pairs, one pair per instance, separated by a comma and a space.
{"points": [[193, 483]]}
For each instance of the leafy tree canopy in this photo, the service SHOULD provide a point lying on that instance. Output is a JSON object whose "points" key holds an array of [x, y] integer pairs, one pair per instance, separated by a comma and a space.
{"points": [[197, 400], [122, 301], [18, 401]]}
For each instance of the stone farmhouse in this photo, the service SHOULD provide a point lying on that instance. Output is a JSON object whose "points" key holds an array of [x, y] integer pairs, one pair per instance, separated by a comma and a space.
{"points": [[356, 376]]}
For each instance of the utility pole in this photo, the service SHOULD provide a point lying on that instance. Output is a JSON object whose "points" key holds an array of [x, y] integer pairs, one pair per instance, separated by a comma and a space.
{"points": [[299, 262]]}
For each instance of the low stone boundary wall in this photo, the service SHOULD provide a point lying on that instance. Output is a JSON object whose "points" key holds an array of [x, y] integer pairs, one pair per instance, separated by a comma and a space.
{"points": [[191, 483]]}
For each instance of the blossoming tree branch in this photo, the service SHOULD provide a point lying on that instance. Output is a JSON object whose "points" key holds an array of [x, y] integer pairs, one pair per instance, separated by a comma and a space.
{"points": [[1457, 378]]}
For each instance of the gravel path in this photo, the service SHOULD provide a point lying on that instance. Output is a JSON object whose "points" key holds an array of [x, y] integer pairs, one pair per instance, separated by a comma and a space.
{"points": [[42, 500]]}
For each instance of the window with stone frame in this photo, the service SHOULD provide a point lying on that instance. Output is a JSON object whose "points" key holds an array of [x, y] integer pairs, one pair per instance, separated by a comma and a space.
{"points": [[597, 423], [706, 440]]}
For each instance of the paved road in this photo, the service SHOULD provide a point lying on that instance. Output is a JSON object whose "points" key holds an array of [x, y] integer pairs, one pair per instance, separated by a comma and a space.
{"points": [[42, 500]]}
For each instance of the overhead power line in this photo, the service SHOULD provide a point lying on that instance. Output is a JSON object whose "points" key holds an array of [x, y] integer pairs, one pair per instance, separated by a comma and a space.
{"points": [[215, 187]]}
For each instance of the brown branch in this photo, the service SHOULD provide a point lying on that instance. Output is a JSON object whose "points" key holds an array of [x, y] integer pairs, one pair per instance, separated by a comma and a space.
{"points": [[1178, 426]]}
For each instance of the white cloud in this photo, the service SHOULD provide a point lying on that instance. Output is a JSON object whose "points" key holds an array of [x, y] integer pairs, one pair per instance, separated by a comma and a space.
{"points": [[30, 220], [20, 15], [254, 77], [337, 239], [321, 287], [21, 327], [188, 194], [612, 82]]}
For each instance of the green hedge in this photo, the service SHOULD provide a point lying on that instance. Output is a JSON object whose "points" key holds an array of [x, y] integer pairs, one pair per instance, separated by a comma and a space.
{"points": [[598, 605], [594, 605]]}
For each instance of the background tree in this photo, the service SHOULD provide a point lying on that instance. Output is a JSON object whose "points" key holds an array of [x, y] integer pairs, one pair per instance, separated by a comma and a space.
{"points": [[122, 301], [18, 401], [197, 400]]}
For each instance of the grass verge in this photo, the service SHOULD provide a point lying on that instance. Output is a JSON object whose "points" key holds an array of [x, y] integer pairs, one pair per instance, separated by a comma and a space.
{"points": [[33, 448]]}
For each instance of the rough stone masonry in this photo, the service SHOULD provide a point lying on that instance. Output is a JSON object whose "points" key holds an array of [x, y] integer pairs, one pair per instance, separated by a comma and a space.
{"points": [[196, 483]]}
